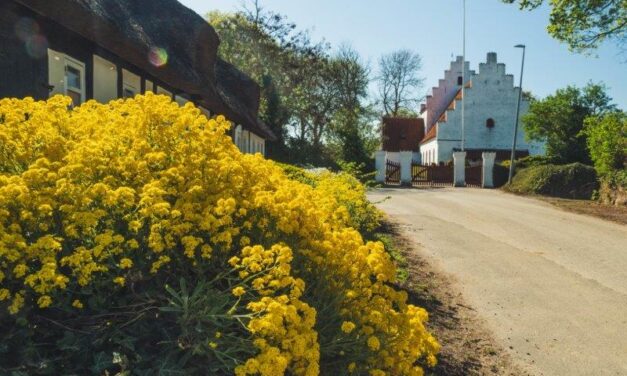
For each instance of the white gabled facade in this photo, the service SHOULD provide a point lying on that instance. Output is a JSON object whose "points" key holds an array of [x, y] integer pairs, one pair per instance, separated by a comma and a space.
{"points": [[490, 113]]}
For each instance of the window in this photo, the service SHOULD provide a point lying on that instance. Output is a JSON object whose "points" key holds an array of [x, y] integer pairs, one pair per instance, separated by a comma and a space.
{"points": [[105, 80], [66, 76], [460, 80], [489, 123], [131, 84], [74, 85], [129, 92]]}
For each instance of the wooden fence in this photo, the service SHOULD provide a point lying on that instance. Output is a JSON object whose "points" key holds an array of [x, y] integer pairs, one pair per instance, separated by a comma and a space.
{"points": [[392, 172], [473, 176], [433, 176]]}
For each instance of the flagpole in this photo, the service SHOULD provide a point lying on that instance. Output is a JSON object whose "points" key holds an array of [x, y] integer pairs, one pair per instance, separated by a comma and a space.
{"points": [[463, 72]]}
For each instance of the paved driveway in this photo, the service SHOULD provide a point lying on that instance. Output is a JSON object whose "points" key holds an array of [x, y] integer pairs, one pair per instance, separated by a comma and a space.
{"points": [[552, 285]]}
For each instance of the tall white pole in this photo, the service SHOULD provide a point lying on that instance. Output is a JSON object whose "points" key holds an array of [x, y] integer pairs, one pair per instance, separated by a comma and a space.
{"points": [[463, 72]]}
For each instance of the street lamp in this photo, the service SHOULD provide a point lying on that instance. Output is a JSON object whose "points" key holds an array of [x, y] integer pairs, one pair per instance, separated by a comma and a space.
{"points": [[522, 66]]}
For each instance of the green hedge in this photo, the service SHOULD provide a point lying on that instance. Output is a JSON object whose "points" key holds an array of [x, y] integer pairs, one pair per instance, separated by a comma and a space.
{"points": [[574, 180]]}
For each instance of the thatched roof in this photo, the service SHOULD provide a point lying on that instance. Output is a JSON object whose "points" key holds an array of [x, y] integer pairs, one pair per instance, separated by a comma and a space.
{"points": [[131, 28]]}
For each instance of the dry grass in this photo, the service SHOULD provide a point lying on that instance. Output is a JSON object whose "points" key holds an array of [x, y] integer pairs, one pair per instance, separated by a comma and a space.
{"points": [[616, 214]]}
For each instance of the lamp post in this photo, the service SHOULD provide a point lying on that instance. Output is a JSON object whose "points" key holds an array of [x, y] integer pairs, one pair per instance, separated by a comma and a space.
{"points": [[522, 66]]}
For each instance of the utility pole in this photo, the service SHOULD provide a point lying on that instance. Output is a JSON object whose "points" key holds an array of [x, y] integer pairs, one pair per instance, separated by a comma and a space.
{"points": [[522, 66], [463, 72]]}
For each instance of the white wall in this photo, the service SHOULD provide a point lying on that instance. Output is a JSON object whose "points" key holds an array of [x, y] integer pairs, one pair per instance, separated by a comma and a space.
{"points": [[393, 156], [248, 142], [429, 152], [258, 144], [445, 91], [492, 95], [105, 80]]}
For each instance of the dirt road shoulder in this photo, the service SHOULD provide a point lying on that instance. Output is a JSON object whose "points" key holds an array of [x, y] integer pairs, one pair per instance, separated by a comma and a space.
{"points": [[468, 348]]}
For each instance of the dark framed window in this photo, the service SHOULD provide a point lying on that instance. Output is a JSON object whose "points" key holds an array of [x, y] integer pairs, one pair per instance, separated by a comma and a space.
{"points": [[460, 80], [489, 123]]}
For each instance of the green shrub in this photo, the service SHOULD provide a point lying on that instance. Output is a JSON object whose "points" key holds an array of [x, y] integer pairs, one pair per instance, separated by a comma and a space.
{"points": [[528, 161], [607, 142], [574, 180], [298, 174]]}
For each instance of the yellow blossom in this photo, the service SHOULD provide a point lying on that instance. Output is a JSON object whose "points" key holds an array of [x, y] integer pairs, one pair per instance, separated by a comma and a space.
{"points": [[44, 301], [348, 326], [238, 291], [373, 343], [144, 184], [126, 263]]}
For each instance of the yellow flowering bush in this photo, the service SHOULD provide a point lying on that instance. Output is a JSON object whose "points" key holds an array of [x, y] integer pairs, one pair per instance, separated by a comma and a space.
{"points": [[135, 236]]}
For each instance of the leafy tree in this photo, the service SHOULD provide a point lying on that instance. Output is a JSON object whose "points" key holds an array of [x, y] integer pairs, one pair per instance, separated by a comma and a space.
{"points": [[352, 125], [271, 50], [607, 141], [559, 119], [584, 25], [399, 81], [314, 102], [275, 115]]}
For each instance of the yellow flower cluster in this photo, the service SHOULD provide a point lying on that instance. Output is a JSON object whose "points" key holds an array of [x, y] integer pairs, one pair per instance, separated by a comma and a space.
{"points": [[107, 194]]}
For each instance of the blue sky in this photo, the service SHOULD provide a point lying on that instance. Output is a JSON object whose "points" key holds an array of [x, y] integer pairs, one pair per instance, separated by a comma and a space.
{"points": [[433, 29]]}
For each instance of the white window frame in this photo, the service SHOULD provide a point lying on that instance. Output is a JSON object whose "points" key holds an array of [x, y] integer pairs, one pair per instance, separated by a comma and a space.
{"points": [[80, 67], [130, 87]]}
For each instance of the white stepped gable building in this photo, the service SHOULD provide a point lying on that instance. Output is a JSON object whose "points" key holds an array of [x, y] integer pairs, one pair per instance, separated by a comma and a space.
{"points": [[490, 114]]}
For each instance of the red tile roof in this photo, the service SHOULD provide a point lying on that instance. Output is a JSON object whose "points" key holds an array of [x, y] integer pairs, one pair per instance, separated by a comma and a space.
{"points": [[402, 133], [441, 117], [431, 134]]}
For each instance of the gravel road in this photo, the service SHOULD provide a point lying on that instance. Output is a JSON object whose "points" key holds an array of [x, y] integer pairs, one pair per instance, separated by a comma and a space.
{"points": [[551, 285]]}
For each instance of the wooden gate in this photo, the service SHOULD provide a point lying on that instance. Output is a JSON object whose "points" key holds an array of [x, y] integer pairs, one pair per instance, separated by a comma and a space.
{"points": [[433, 176], [473, 176], [392, 172]]}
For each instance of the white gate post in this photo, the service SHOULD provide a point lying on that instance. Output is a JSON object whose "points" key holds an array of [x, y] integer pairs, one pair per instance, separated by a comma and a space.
{"points": [[380, 161], [406, 161], [459, 168], [487, 180]]}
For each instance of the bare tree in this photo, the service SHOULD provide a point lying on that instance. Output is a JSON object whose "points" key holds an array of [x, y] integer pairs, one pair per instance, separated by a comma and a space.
{"points": [[253, 11], [400, 81]]}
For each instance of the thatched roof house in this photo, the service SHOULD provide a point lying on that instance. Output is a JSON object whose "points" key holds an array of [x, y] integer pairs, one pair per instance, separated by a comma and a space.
{"points": [[158, 45]]}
